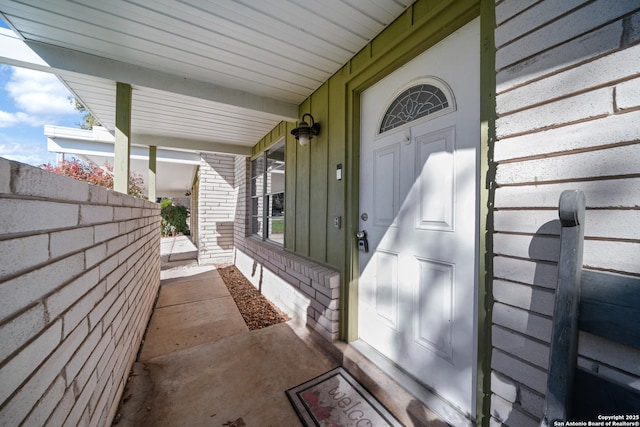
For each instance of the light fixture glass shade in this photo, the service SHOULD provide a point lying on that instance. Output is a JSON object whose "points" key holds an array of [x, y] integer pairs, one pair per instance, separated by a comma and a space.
{"points": [[303, 138]]}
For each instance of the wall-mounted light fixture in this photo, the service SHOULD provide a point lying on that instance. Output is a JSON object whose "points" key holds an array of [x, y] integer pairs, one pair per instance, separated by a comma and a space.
{"points": [[305, 132]]}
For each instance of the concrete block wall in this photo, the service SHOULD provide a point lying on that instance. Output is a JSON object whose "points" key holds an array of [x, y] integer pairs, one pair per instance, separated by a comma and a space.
{"points": [[79, 272], [568, 103], [306, 291], [216, 208]]}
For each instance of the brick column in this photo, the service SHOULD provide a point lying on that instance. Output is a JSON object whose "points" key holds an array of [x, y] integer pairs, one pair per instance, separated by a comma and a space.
{"points": [[241, 221], [216, 208]]}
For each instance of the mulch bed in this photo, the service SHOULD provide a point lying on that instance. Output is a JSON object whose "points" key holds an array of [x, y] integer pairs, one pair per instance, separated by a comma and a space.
{"points": [[256, 310]]}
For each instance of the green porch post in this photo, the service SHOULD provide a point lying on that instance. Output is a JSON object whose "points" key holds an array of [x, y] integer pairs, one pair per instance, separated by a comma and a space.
{"points": [[152, 172], [122, 152]]}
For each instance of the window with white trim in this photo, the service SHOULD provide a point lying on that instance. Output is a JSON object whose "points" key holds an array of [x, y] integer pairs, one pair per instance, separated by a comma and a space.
{"points": [[267, 194]]}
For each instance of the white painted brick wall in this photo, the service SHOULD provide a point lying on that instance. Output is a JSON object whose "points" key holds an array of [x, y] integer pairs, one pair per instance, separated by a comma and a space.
{"points": [[16, 332], [628, 93], [615, 161], [614, 255], [47, 404], [567, 102], [551, 32], [509, 414], [95, 214], [19, 254], [73, 256], [216, 208], [306, 291], [79, 311], [29, 181], [68, 241], [30, 287], [20, 215], [610, 193], [521, 371], [621, 224], [527, 349], [17, 369], [105, 232], [242, 177], [564, 111], [601, 71], [580, 49], [528, 21], [535, 299], [60, 301], [5, 176]]}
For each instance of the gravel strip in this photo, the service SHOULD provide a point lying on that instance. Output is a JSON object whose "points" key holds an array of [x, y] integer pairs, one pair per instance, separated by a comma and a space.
{"points": [[257, 311]]}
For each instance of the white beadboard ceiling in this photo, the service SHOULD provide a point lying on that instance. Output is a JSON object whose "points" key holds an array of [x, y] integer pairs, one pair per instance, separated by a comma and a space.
{"points": [[206, 74]]}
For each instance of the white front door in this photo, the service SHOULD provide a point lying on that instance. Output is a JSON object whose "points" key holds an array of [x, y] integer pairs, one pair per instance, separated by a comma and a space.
{"points": [[420, 134]]}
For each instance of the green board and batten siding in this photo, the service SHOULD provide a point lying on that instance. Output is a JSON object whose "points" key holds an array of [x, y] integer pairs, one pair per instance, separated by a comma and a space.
{"points": [[309, 229]]}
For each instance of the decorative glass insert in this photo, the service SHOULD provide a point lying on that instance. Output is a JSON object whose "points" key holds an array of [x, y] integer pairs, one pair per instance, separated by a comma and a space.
{"points": [[415, 102]]}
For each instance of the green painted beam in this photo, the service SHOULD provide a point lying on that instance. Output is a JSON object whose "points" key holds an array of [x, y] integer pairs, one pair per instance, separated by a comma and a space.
{"points": [[152, 172], [122, 148]]}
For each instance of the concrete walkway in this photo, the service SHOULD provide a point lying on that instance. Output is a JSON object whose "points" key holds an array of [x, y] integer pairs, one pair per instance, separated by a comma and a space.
{"points": [[178, 248], [200, 366]]}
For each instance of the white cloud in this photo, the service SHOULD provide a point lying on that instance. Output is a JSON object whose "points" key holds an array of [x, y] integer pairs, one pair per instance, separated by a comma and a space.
{"points": [[38, 99], [13, 119], [38, 93], [29, 100], [24, 154]]}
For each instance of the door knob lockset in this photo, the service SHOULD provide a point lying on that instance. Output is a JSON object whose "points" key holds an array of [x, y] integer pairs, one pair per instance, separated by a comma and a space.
{"points": [[363, 242]]}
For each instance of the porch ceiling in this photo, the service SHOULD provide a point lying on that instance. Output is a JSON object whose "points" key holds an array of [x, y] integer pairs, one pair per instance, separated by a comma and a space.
{"points": [[209, 73]]}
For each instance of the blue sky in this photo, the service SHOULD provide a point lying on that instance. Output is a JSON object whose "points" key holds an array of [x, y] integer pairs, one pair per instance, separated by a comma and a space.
{"points": [[29, 100]]}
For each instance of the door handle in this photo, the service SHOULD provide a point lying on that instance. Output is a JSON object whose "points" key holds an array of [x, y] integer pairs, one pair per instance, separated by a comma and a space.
{"points": [[363, 242]]}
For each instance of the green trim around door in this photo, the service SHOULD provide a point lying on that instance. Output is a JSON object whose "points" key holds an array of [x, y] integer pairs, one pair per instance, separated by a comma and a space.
{"points": [[439, 21], [486, 196]]}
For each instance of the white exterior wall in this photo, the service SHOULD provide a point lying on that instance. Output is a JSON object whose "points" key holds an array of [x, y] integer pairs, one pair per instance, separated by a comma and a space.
{"points": [[568, 103], [306, 291], [79, 273], [242, 176], [216, 208]]}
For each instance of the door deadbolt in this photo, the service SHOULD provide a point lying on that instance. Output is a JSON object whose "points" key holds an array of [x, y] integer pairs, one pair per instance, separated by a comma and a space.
{"points": [[363, 242]]}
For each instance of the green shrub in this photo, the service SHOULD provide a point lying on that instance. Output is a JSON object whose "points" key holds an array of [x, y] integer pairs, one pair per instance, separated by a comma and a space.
{"points": [[165, 202], [174, 219]]}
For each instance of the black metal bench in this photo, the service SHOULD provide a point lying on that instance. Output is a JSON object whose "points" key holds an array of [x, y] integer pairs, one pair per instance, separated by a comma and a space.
{"points": [[603, 304]]}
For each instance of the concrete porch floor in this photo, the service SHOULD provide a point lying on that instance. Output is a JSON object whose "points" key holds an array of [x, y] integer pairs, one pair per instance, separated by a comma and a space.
{"points": [[200, 365], [177, 248]]}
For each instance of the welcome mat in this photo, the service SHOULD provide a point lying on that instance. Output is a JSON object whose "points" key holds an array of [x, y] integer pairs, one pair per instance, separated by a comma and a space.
{"points": [[336, 399]]}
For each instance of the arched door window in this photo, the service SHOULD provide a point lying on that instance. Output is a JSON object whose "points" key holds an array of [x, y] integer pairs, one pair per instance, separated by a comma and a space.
{"points": [[420, 100]]}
